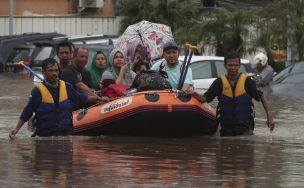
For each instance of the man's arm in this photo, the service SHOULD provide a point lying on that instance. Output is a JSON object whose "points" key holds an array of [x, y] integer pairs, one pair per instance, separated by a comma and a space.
{"points": [[214, 90], [269, 122], [188, 80], [186, 87], [200, 98], [264, 78], [81, 98], [84, 89], [27, 112], [15, 131]]}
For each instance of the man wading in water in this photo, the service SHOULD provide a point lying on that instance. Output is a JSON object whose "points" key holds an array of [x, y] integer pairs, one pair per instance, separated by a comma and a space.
{"points": [[50, 100], [235, 92]]}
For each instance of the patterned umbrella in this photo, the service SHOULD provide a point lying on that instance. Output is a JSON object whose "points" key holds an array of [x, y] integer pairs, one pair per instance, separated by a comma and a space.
{"points": [[152, 35]]}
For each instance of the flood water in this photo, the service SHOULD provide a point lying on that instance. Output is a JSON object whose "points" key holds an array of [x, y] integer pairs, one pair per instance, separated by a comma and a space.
{"points": [[264, 160]]}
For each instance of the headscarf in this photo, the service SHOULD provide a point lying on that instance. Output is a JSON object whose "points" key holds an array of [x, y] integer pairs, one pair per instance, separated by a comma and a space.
{"points": [[96, 73], [113, 72], [132, 48]]}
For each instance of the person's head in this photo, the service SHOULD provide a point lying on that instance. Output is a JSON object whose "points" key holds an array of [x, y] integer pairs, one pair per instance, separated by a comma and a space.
{"points": [[134, 47], [232, 63], [50, 70], [171, 54], [100, 60], [72, 51], [141, 66], [138, 49], [260, 60], [117, 58], [63, 52], [81, 55]]}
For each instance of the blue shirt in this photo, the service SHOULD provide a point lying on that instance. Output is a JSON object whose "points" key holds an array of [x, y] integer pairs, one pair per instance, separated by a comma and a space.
{"points": [[35, 99], [174, 74]]}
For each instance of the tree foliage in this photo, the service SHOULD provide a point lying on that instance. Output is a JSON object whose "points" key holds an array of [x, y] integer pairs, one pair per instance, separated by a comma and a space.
{"points": [[228, 29], [174, 13], [289, 15]]}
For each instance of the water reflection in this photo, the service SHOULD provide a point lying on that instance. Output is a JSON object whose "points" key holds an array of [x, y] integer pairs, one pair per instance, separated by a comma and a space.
{"points": [[149, 162]]}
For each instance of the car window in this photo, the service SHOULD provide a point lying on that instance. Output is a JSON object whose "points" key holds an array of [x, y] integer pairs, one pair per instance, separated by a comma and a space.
{"points": [[298, 68], [8, 47], [44, 53], [242, 69], [297, 78], [221, 70], [19, 57], [281, 74], [201, 70]]}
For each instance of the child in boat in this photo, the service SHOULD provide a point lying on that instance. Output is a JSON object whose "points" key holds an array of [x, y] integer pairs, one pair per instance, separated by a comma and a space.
{"points": [[141, 65]]}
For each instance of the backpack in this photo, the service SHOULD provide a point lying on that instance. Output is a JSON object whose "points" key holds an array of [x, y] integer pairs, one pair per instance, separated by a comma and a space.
{"points": [[151, 80]]}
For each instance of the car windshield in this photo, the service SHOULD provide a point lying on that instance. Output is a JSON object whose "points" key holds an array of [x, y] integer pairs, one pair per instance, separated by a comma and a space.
{"points": [[296, 78], [18, 55], [297, 68], [44, 52]]}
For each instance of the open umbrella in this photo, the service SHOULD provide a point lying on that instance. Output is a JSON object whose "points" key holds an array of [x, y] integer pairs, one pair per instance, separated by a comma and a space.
{"points": [[152, 35]]}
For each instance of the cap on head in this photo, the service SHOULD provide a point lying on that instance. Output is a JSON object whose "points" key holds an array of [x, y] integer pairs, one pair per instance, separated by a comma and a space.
{"points": [[260, 58], [170, 45]]}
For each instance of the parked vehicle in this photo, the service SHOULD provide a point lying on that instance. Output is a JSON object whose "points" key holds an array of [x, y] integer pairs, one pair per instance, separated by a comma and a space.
{"points": [[290, 79], [7, 43], [45, 50], [19, 53], [205, 69]]}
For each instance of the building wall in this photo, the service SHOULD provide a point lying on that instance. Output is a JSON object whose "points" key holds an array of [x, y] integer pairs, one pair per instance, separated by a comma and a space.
{"points": [[65, 25], [57, 7]]}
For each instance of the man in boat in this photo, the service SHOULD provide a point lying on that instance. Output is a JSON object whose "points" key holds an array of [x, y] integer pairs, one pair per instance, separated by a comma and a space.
{"points": [[172, 66], [79, 77], [63, 52], [235, 92], [50, 100]]}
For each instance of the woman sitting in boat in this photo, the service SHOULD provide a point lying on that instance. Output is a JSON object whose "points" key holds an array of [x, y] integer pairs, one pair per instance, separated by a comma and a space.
{"points": [[98, 67], [118, 73]]}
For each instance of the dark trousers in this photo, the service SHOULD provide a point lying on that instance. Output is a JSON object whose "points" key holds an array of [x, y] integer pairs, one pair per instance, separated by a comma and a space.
{"points": [[237, 129]]}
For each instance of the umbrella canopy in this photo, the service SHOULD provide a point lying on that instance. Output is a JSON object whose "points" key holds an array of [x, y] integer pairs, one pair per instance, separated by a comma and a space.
{"points": [[152, 35]]}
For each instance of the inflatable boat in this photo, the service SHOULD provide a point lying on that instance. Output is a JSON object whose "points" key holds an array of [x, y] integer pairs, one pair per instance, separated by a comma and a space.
{"points": [[150, 113]]}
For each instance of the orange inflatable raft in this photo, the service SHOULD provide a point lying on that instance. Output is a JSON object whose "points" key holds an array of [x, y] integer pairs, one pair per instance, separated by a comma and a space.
{"points": [[149, 113]]}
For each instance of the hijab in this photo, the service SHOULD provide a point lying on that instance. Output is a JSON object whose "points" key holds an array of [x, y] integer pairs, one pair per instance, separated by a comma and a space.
{"points": [[113, 72], [132, 49], [96, 73]]}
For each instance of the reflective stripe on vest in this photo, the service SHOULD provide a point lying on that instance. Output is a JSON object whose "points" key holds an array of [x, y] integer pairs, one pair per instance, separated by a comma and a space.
{"points": [[49, 117], [235, 106]]}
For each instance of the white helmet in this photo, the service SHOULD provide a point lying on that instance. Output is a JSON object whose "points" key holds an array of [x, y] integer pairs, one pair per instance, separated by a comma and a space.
{"points": [[260, 58]]}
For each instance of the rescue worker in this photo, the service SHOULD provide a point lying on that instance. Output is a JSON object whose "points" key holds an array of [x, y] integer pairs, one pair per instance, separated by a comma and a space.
{"points": [[50, 100], [264, 79], [235, 92]]}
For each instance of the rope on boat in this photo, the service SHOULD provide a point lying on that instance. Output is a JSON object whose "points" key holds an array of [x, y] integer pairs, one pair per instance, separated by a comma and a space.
{"points": [[176, 92]]}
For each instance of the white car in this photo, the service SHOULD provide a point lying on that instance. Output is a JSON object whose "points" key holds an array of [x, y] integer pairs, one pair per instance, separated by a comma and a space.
{"points": [[205, 69]]}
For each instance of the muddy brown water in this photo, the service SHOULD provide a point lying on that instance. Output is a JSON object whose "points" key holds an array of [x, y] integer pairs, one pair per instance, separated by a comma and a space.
{"points": [[264, 160]]}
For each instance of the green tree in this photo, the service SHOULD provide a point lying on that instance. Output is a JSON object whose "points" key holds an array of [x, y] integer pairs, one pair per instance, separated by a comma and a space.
{"points": [[289, 14], [229, 28], [174, 13]]}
